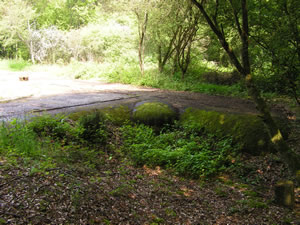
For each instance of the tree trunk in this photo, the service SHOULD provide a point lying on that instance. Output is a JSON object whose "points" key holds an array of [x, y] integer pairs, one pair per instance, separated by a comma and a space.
{"points": [[142, 35], [30, 45], [163, 57], [291, 158]]}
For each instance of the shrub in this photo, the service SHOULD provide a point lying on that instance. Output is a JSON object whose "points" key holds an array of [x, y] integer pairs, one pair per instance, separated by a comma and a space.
{"points": [[52, 126], [18, 65], [224, 78], [16, 137], [185, 152], [94, 129]]}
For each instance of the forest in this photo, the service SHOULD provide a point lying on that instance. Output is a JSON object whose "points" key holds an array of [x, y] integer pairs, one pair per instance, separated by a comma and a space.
{"points": [[105, 167], [159, 39]]}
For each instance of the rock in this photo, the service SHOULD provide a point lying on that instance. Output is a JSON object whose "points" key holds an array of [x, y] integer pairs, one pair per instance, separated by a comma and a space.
{"points": [[284, 193], [154, 113]]}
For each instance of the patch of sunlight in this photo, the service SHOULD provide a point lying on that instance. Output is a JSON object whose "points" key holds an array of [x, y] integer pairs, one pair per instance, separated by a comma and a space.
{"points": [[222, 119], [248, 77], [186, 191], [276, 137], [152, 172]]}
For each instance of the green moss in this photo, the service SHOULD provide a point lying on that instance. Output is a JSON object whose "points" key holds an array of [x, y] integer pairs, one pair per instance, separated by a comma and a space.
{"points": [[253, 203], [154, 113], [247, 130], [77, 115], [117, 115]]}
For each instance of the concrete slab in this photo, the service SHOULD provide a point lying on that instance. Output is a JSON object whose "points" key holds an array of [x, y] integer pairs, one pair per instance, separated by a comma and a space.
{"points": [[21, 108]]}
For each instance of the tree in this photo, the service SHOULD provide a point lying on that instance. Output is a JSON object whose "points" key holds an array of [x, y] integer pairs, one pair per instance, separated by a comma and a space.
{"points": [[239, 11], [64, 14], [163, 30], [15, 23], [276, 34], [185, 36], [47, 43], [173, 29], [142, 18]]}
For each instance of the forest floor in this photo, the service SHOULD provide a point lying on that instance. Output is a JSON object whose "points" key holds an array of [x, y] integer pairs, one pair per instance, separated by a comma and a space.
{"points": [[116, 192]]}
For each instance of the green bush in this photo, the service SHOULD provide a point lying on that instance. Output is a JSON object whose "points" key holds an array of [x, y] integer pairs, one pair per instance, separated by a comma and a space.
{"points": [[94, 128], [187, 153], [17, 138], [224, 78], [52, 126], [18, 65]]}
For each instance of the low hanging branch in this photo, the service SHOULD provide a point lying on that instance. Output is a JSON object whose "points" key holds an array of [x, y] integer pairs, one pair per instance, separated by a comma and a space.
{"points": [[244, 67]]}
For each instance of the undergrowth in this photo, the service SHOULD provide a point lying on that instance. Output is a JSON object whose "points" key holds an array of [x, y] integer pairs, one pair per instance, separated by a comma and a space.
{"points": [[46, 141], [18, 65], [183, 150]]}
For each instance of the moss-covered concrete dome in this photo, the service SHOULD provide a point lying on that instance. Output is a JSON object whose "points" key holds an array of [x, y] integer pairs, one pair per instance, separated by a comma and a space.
{"points": [[248, 131], [154, 113]]}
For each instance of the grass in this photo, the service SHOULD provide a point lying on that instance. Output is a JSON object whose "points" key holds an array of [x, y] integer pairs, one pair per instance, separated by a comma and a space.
{"points": [[52, 140], [128, 73], [14, 65]]}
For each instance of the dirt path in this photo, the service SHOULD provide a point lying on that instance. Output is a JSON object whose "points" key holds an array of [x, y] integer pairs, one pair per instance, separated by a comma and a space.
{"points": [[45, 92]]}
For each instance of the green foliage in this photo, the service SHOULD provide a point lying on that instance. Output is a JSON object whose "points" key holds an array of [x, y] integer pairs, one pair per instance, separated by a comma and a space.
{"points": [[117, 115], [17, 138], [221, 78], [65, 14], [14, 65], [193, 81], [47, 140], [14, 19], [105, 36], [18, 65], [55, 127], [187, 153], [247, 130], [94, 128]]}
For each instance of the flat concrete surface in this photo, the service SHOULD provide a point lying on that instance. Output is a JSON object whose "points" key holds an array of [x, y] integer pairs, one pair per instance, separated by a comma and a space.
{"points": [[44, 92]]}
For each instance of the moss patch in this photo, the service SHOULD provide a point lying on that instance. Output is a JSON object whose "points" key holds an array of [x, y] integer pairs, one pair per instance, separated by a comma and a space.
{"points": [[247, 130], [154, 113], [77, 115], [117, 115]]}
